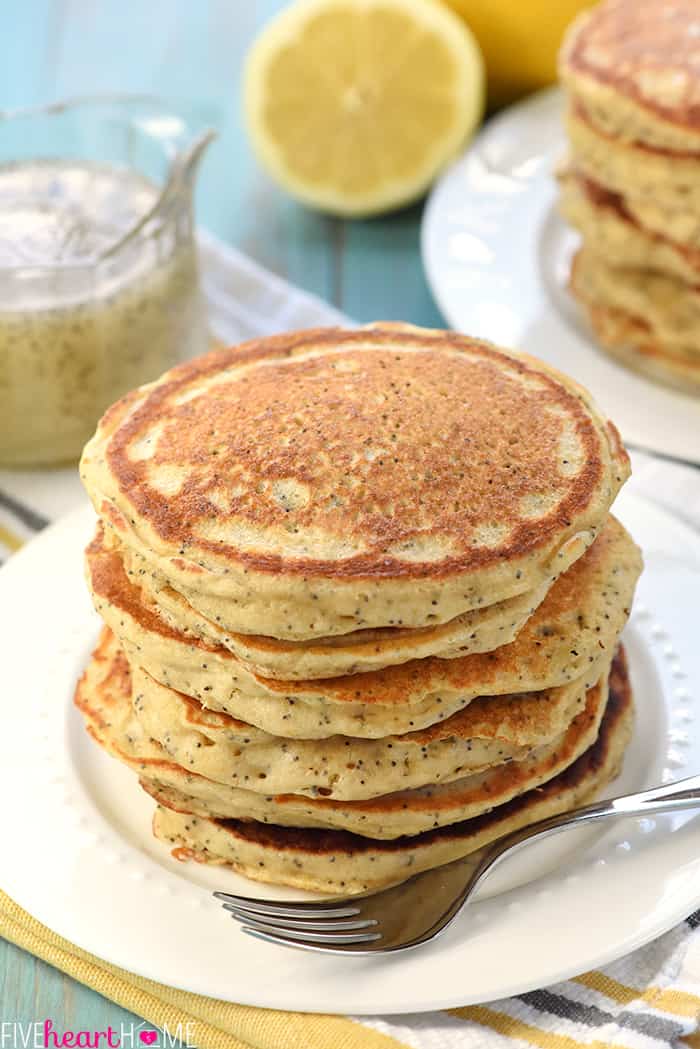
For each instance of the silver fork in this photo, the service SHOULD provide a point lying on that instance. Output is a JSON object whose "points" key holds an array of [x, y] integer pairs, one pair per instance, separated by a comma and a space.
{"points": [[418, 910]]}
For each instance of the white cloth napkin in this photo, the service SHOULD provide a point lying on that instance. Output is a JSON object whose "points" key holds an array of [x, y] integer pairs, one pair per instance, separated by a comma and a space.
{"points": [[652, 997]]}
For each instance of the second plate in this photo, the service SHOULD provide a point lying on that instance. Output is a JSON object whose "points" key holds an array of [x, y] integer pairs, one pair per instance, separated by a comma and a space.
{"points": [[496, 255]]}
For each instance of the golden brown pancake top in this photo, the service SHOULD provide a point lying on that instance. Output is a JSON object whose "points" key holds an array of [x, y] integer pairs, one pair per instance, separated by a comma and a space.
{"points": [[358, 454], [647, 50]]}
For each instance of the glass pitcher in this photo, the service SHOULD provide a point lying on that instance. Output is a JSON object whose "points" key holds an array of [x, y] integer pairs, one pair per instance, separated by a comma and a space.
{"points": [[99, 289]]}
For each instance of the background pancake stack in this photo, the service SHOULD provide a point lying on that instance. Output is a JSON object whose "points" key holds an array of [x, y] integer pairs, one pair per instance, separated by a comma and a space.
{"points": [[632, 185], [362, 596]]}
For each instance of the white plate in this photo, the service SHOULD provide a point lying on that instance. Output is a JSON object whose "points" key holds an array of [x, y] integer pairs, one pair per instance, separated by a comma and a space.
{"points": [[77, 850], [496, 255]]}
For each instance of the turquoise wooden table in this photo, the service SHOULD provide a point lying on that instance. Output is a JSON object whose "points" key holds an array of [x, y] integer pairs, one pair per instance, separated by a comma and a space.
{"points": [[192, 51]]}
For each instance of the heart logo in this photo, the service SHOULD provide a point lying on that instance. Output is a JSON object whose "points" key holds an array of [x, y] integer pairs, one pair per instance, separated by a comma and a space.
{"points": [[148, 1037]]}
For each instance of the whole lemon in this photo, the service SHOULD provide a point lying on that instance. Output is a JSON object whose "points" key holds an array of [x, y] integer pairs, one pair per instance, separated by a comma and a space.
{"points": [[519, 40]]}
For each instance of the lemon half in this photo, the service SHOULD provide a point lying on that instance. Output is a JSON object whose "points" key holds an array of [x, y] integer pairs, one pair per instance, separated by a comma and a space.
{"points": [[353, 106]]}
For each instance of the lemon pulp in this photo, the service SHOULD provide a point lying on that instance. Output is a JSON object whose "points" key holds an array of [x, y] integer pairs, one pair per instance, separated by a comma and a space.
{"points": [[355, 105]]}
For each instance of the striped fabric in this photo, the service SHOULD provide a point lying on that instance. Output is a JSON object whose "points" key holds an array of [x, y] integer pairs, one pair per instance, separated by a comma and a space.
{"points": [[18, 523], [649, 1000]]}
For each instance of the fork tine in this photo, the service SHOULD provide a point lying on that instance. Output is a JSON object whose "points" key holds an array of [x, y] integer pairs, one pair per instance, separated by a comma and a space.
{"points": [[302, 909], [293, 936], [303, 924]]}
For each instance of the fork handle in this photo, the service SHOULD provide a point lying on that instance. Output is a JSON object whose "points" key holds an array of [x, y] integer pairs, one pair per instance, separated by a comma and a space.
{"points": [[672, 797]]}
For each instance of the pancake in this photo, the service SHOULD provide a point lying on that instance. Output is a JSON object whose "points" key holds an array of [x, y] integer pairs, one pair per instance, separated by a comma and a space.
{"points": [[576, 625], [629, 342], [104, 696], [399, 813], [631, 168], [607, 223], [677, 226], [490, 731], [633, 64], [632, 340], [296, 486], [340, 862], [677, 230], [668, 308], [478, 631]]}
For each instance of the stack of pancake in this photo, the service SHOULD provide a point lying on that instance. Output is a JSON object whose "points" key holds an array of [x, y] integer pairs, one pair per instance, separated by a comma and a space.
{"points": [[632, 183], [362, 596]]}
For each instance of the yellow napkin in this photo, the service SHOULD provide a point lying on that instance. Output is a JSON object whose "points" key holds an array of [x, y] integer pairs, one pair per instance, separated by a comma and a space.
{"points": [[214, 1024], [643, 1014]]}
